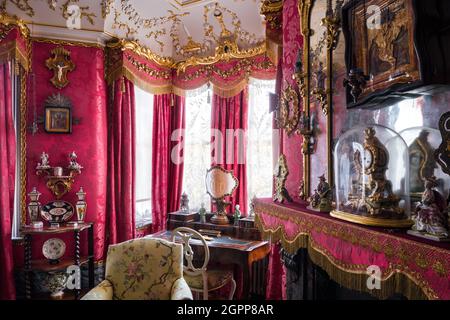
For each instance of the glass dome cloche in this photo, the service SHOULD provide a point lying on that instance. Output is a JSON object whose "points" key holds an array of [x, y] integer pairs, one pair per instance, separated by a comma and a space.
{"points": [[371, 168], [422, 143]]}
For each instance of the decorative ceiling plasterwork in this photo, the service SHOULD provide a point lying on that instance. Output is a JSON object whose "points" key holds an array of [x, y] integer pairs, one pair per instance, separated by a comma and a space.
{"points": [[180, 31]]}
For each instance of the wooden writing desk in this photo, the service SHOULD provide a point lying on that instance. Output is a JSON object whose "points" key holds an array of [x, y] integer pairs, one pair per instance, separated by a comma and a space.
{"points": [[229, 250]]}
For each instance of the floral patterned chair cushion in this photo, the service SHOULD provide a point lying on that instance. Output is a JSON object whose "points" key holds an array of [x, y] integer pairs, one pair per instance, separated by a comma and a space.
{"points": [[144, 269]]}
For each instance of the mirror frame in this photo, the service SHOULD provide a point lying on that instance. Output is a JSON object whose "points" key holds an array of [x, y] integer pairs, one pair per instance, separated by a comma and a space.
{"points": [[333, 26], [225, 171]]}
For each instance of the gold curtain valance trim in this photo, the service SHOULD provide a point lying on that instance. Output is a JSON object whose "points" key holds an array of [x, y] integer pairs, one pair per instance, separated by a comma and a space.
{"points": [[13, 50], [353, 277], [145, 85], [227, 92]]}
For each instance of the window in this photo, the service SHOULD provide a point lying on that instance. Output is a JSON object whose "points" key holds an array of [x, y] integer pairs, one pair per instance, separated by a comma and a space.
{"points": [[144, 128], [197, 150], [197, 138], [259, 140]]}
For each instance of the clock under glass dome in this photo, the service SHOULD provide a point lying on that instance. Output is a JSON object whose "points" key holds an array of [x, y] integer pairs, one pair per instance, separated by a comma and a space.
{"points": [[371, 167]]}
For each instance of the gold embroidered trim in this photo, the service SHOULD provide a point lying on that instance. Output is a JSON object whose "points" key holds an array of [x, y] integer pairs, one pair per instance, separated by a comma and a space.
{"points": [[396, 279]]}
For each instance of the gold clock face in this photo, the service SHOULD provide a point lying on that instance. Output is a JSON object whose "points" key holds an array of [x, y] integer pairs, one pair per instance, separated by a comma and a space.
{"points": [[368, 158]]}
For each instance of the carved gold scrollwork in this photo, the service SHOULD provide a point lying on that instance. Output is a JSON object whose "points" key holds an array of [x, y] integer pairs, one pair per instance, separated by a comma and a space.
{"points": [[289, 114]]}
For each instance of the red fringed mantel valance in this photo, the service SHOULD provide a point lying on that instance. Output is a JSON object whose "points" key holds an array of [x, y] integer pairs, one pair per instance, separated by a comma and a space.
{"points": [[416, 268]]}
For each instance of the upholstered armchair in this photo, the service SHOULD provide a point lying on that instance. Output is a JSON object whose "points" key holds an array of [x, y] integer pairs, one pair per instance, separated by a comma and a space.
{"points": [[143, 269]]}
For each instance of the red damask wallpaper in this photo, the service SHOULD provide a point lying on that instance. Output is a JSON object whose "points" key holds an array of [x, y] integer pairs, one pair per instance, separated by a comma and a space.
{"points": [[87, 91]]}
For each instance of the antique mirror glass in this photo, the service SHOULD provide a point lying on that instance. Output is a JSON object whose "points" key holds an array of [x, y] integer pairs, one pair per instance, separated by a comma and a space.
{"points": [[318, 96], [422, 142], [220, 183]]}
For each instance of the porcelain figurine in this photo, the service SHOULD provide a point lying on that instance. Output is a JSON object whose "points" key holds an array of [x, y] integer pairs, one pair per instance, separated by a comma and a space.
{"points": [[431, 215], [184, 203], [322, 197], [74, 165], [202, 213], [44, 164], [237, 215]]}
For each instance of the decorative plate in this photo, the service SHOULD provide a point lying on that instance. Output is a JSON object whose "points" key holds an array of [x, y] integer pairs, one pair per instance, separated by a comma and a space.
{"points": [[57, 211], [53, 248]]}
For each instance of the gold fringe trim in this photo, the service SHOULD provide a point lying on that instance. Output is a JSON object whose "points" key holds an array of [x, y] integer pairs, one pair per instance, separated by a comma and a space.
{"points": [[230, 91], [353, 277], [145, 85], [396, 282]]}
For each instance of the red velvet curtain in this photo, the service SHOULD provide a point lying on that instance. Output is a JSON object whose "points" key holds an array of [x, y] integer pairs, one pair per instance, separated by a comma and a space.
{"points": [[229, 123], [167, 156], [121, 163], [7, 179]]}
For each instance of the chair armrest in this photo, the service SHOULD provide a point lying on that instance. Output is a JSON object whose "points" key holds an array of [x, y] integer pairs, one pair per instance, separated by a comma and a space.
{"points": [[181, 290], [103, 291]]}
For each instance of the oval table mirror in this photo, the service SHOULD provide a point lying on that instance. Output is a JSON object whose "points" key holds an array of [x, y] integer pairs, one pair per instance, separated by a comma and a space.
{"points": [[220, 183]]}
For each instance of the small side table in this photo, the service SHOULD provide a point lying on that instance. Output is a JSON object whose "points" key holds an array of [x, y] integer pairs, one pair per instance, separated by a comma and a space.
{"points": [[31, 265]]}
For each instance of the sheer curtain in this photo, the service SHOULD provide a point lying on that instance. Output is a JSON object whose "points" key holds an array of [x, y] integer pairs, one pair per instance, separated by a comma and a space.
{"points": [[197, 155], [144, 125], [259, 137]]}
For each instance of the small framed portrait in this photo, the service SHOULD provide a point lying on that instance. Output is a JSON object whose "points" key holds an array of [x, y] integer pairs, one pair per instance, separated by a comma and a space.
{"points": [[58, 120]]}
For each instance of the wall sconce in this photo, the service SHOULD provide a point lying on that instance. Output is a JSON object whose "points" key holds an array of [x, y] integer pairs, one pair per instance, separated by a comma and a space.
{"points": [[306, 128], [319, 92]]}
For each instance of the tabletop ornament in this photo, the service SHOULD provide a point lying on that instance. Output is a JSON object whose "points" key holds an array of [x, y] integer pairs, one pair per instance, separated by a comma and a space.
{"points": [[237, 215], [184, 203], [281, 194], [202, 213], [34, 209], [431, 214], [81, 205], [322, 198]]}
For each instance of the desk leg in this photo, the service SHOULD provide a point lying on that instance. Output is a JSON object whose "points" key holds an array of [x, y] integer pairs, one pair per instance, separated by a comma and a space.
{"points": [[28, 253], [246, 279], [77, 258], [91, 256]]}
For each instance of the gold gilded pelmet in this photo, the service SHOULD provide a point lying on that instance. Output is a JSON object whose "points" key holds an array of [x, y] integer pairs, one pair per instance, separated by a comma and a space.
{"points": [[227, 78], [14, 41]]}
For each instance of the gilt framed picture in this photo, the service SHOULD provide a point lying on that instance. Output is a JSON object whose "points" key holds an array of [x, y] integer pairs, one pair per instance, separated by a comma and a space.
{"points": [[58, 120]]}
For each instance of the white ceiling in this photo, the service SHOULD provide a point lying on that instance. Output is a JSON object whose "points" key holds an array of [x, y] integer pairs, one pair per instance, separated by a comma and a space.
{"points": [[162, 25]]}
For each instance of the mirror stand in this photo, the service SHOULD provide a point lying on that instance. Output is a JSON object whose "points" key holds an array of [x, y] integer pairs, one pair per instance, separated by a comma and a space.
{"points": [[220, 217]]}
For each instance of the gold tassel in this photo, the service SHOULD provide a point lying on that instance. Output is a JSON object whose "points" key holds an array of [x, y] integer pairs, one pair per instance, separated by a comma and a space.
{"points": [[123, 85]]}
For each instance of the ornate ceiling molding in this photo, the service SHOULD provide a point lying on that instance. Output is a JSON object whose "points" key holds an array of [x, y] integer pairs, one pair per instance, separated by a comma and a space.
{"points": [[142, 51]]}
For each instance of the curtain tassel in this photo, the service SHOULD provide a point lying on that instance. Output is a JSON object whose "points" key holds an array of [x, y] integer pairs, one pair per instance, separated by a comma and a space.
{"points": [[123, 85], [208, 99], [172, 100]]}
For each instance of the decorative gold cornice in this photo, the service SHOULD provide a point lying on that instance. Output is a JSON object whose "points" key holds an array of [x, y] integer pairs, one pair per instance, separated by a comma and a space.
{"points": [[8, 20], [271, 6], [67, 43], [224, 52], [142, 51]]}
